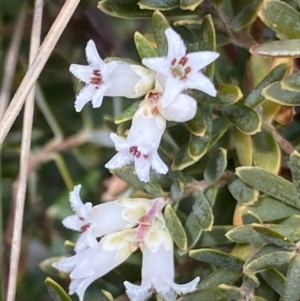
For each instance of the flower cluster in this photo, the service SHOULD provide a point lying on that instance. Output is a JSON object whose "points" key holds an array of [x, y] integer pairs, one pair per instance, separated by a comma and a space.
{"points": [[110, 232], [123, 226], [162, 81]]}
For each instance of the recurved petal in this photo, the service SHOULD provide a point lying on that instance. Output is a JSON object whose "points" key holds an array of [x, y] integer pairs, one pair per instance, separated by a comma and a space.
{"points": [[157, 163], [137, 292], [72, 222], [120, 159], [200, 59], [75, 199], [158, 64], [187, 287], [83, 73], [84, 96], [92, 55], [176, 47], [98, 96], [142, 168], [202, 83]]}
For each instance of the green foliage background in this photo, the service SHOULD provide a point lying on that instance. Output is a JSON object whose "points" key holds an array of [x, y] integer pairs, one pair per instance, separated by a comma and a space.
{"points": [[234, 169]]}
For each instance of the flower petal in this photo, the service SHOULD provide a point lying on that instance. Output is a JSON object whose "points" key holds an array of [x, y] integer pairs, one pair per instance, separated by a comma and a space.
{"points": [[200, 59], [142, 168], [72, 222], [92, 55], [173, 88], [157, 164], [187, 287], [176, 47], [83, 73], [118, 160], [75, 199], [137, 292], [158, 64], [98, 96], [181, 109], [202, 83], [84, 96]]}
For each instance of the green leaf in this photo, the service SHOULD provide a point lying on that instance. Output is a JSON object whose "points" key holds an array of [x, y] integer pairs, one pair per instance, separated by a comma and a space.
{"points": [[143, 46], [268, 261], [198, 146], [245, 234], [192, 229], [246, 16], [46, 266], [274, 237], [226, 94], [295, 170], [281, 17], [204, 295], [242, 192], [177, 189], [266, 152], [56, 291], [175, 227], [160, 24], [242, 117], [255, 98], [158, 5], [275, 93], [219, 128], [251, 280], [291, 288], [268, 209], [128, 113], [286, 48], [232, 292], [221, 275], [197, 126], [270, 184], [215, 237], [243, 146], [291, 82], [130, 9], [217, 258], [211, 194], [249, 217], [202, 211], [216, 166], [190, 4], [182, 159], [275, 279], [207, 41]]}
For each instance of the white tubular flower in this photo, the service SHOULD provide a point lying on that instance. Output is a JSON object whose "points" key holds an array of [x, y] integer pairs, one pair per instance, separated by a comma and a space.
{"points": [[182, 70], [102, 219], [113, 78], [130, 81], [141, 144], [85, 267], [95, 76], [158, 266]]}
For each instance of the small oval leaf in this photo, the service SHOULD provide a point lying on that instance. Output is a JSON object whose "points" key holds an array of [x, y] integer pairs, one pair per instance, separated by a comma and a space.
{"points": [[202, 211], [160, 24], [270, 184], [128, 113], [242, 117], [243, 146], [217, 258], [56, 291], [143, 46], [266, 151], [281, 17], [275, 93], [216, 166], [175, 227]]}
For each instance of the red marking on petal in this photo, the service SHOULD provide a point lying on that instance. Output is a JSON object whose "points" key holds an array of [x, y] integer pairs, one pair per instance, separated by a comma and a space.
{"points": [[85, 227], [173, 62]]}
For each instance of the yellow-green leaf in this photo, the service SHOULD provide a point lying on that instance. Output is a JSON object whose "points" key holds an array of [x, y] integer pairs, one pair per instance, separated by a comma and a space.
{"points": [[143, 46]]}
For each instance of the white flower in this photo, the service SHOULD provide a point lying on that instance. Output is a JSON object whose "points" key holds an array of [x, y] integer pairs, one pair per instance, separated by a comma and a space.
{"points": [[141, 144], [182, 70], [113, 78], [158, 266], [90, 264], [102, 219]]}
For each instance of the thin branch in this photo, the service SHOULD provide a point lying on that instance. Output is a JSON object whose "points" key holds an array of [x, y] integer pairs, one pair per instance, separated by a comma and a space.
{"points": [[24, 159], [35, 69], [11, 60]]}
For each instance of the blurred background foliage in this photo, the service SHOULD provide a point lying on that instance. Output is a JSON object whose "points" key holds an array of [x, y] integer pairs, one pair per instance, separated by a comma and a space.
{"points": [[250, 126]]}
